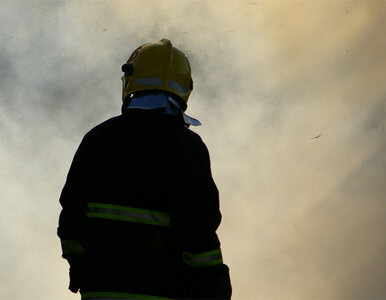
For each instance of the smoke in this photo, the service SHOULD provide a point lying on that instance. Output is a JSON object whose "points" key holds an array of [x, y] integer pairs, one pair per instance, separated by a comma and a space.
{"points": [[291, 95]]}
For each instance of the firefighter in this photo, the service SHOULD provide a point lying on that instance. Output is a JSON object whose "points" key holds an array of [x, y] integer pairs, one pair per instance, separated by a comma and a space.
{"points": [[140, 208]]}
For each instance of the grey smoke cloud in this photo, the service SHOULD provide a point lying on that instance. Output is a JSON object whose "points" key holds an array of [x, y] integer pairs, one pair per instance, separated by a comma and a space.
{"points": [[303, 217]]}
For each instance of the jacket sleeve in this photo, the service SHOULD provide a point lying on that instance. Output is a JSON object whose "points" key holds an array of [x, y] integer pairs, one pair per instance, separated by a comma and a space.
{"points": [[73, 200], [195, 217]]}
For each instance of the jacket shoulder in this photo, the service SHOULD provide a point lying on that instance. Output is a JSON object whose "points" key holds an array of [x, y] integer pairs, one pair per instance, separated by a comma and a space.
{"points": [[192, 142], [189, 134], [103, 127]]}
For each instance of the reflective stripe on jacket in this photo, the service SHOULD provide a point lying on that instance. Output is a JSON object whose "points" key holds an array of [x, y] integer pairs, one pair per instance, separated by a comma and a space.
{"points": [[128, 214], [120, 296]]}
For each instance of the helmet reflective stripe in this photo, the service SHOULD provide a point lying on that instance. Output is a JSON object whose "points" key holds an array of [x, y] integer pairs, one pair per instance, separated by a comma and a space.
{"points": [[158, 81], [149, 81], [120, 296], [71, 247], [205, 259], [128, 214], [178, 87]]}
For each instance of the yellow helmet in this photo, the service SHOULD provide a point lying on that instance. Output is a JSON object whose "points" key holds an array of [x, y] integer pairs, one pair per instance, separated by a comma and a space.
{"points": [[158, 66]]}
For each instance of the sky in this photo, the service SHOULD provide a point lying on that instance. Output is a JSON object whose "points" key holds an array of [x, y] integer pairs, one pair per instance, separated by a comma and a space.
{"points": [[292, 98]]}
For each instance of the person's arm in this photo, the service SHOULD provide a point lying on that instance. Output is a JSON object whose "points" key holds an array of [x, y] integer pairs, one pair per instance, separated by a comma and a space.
{"points": [[71, 220], [195, 218]]}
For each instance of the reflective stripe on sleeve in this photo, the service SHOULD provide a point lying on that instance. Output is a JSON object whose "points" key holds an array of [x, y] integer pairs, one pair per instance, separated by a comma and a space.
{"points": [[205, 259], [128, 214], [120, 296], [72, 247]]}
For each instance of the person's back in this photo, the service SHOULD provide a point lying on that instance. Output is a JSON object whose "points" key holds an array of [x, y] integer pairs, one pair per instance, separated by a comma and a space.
{"points": [[140, 211]]}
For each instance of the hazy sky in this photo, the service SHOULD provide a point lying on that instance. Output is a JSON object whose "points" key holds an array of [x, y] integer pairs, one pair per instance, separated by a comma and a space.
{"points": [[292, 97]]}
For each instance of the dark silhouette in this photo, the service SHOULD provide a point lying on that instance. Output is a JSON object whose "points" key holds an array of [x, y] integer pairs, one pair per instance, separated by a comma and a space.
{"points": [[140, 207]]}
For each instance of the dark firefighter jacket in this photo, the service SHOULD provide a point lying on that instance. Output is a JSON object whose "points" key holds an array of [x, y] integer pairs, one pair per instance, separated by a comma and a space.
{"points": [[140, 213]]}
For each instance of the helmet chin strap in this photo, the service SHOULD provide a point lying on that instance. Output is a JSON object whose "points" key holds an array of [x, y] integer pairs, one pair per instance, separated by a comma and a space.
{"points": [[123, 87]]}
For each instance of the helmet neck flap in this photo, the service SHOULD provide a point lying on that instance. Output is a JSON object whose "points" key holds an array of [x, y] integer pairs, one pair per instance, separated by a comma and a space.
{"points": [[159, 102]]}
